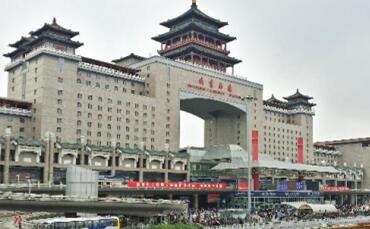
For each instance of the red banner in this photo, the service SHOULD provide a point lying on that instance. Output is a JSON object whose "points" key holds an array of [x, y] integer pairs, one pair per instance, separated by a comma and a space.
{"points": [[213, 197], [242, 185], [255, 145], [333, 188], [175, 185], [300, 155]]}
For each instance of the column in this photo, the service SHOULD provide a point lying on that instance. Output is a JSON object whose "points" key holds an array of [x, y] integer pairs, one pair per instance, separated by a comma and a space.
{"points": [[51, 159], [166, 168], [8, 132], [188, 171], [196, 201], [141, 169], [113, 170]]}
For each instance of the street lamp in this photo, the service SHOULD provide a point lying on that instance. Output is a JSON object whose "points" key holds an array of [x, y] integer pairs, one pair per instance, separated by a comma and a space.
{"points": [[248, 100]]}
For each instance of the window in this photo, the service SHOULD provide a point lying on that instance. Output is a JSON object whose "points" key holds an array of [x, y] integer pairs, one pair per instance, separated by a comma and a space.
{"points": [[60, 80], [97, 85], [60, 102], [90, 97], [59, 111], [79, 96], [60, 92], [59, 129]]}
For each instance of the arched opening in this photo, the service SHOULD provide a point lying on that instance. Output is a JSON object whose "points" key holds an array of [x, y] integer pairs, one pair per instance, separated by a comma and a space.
{"points": [[129, 163], [206, 121], [99, 161], [191, 130], [28, 157], [68, 159]]}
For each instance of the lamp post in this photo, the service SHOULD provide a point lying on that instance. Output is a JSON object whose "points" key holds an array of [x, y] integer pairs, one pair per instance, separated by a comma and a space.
{"points": [[248, 100]]}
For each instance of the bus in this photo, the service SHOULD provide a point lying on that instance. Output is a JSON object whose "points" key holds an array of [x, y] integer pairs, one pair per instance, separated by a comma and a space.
{"points": [[99, 222]]}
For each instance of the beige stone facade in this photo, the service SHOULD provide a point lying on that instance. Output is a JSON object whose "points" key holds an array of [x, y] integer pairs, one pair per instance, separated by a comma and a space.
{"points": [[136, 103]]}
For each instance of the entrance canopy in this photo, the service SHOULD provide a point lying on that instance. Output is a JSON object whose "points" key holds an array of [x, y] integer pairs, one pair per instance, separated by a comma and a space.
{"points": [[315, 208]]}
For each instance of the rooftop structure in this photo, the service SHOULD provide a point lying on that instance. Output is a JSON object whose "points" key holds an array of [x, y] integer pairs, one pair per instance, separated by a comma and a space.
{"points": [[49, 34], [194, 36]]}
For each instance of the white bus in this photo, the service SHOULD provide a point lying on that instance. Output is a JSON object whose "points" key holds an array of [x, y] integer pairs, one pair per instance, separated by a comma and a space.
{"points": [[99, 222]]}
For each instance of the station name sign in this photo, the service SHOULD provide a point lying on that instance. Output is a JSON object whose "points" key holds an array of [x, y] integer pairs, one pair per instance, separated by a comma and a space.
{"points": [[333, 188], [176, 185], [213, 87]]}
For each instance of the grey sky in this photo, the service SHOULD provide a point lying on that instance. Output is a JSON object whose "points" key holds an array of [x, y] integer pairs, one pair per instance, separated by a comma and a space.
{"points": [[319, 46]]}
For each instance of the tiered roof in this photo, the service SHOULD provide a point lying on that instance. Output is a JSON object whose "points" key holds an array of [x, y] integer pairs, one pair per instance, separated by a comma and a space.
{"points": [[29, 142], [48, 32], [194, 12], [195, 21], [54, 27], [193, 25], [292, 101], [201, 50]]}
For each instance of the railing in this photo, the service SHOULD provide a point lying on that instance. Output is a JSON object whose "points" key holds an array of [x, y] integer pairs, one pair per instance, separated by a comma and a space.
{"points": [[16, 111], [194, 40]]}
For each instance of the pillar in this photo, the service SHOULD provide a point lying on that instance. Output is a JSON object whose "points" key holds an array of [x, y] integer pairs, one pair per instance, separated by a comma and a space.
{"points": [[51, 159], [7, 156], [113, 171], [166, 168], [141, 169], [256, 180], [196, 201], [188, 171], [300, 155]]}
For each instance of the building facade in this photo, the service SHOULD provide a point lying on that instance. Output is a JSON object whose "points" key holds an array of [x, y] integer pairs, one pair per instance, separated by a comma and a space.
{"points": [[135, 102], [350, 154]]}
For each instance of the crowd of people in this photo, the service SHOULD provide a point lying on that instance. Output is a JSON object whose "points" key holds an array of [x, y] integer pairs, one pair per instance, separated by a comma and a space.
{"points": [[275, 213]]}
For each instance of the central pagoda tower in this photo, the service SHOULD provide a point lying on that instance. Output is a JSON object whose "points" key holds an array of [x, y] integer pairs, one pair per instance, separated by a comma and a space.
{"points": [[195, 37]]}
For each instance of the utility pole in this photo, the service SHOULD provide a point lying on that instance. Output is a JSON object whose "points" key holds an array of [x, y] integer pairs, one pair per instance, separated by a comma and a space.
{"points": [[248, 101]]}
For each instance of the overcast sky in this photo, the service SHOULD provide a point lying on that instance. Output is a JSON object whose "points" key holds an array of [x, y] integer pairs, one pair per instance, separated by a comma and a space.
{"points": [[321, 47]]}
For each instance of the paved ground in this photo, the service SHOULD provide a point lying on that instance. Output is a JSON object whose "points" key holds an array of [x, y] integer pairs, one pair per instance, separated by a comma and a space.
{"points": [[7, 219]]}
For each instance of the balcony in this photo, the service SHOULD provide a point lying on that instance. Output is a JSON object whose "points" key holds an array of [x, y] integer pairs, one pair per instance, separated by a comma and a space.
{"points": [[196, 41]]}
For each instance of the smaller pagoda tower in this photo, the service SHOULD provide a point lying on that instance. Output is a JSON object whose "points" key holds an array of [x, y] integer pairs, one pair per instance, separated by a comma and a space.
{"points": [[195, 37], [50, 35]]}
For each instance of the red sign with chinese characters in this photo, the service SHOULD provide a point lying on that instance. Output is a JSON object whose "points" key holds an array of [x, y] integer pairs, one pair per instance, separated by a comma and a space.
{"points": [[300, 155], [175, 185], [333, 188], [215, 88], [242, 185], [255, 145]]}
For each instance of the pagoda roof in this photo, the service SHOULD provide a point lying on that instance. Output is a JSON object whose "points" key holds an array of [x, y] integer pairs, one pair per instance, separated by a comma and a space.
{"points": [[17, 51], [193, 25], [132, 55], [22, 41], [53, 37], [298, 95], [28, 142], [106, 149], [275, 102], [130, 150], [194, 12], [110, 65], [201, 50], [72, 146], [157, 153], [56, 28]]}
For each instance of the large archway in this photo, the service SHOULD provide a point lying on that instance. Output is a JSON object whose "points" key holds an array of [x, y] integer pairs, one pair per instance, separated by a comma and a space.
{"points": [[223, 120]]}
